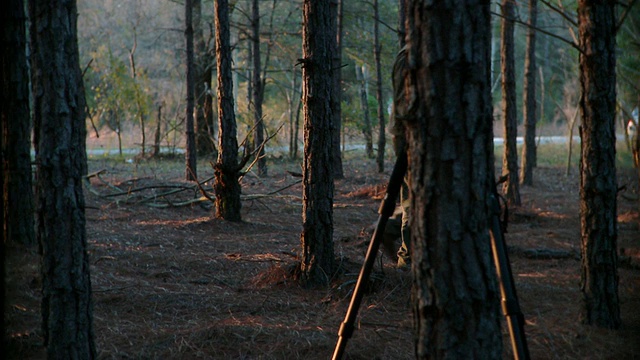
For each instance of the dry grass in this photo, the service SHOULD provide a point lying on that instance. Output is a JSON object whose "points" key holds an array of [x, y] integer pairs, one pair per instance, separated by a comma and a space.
{"points": [[174, 283]]}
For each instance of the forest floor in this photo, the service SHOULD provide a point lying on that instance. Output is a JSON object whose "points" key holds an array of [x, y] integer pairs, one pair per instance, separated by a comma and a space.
{"points": [[176, 283]]}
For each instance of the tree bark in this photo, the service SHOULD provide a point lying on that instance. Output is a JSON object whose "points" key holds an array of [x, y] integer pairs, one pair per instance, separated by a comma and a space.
{"points": [[203, 100], [257, 88], [455, 304], [60, 132], [381, 121], [511, 186], [336, 100], [598, 183], [317, 77], [361, 74], [529, 98], [226, 185], [191, 172], [16, 129]]}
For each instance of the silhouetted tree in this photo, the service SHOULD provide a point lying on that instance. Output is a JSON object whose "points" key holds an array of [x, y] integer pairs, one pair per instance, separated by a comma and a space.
{"points": [[190, 151], [529, 97], [17, 193], [336, 99], [381, 120], [257, 88], [59, 138]]}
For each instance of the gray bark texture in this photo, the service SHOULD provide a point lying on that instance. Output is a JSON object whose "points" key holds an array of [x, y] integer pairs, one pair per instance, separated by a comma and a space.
{"points": [[60, 132]]}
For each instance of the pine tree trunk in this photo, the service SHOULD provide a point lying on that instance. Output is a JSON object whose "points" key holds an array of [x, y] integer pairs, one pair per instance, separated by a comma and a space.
{"points": [[257, 89], [381, 121], [361, 74], [60, 133], [191, 172], [598, 183], [203, 101], [16, 130], [455, 306], [511, 187], [529, 99], [336, 100], [226, 185], [317, 78]]}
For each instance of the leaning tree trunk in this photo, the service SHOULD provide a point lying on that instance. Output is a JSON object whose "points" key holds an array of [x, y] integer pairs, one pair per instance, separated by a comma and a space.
{"points": [[455, 306], [226, 185], [381, 120], [191, 172], [60, 132], [317, 182], [16, 129], [510, 119], [598, 184], [529, 96]]}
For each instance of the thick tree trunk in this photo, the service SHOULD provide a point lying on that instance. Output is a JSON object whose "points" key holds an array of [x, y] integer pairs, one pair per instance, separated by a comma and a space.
{"points": [[455, 304], [226, 185], [257, 89], [511, 187], [598, 183], [317, 208], [16, 129], [381, 121], [529, 97], [336, 100], [60, 132]]}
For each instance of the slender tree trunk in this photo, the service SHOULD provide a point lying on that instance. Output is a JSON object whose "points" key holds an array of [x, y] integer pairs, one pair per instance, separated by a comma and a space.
{"points": [[202, 92], [297, 127], [336, 100], [16, 129], [258, 89], [598, 183], [530, 106], [292, 100], [317, 78], [455, 306], [361, 74], [140, 110], [226, 185], [381, 120], [511, 187], [60, 132], [156, 137], [191, 172]]}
